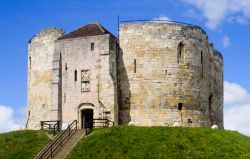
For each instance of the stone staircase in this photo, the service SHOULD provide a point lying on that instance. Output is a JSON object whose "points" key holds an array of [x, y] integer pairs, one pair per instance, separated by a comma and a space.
{"points": [[68, 138], [70, 144], [61, 145]]}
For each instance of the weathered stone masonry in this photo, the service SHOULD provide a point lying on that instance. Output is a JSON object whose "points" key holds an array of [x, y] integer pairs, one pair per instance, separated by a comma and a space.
{"points": [[157, 74], [40, 57], [165, 78]]}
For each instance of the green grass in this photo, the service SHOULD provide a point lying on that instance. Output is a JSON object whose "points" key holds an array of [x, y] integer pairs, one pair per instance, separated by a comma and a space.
{"points": [[123, 142], [22, 144]]}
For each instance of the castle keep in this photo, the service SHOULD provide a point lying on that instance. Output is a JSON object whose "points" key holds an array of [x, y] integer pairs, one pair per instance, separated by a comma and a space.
{"points": [[156, 73]]}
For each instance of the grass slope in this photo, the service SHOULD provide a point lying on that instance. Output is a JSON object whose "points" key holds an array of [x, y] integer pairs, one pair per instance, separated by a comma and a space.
{"points": [[22, 144], [162, 142]]}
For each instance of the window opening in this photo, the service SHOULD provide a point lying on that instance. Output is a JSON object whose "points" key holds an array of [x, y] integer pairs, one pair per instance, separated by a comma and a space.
{"points": [[180, 106], [201, 64], [134, 65], [92, 45], [75, 75], [180, 49], [210, 101], [30, 61]]}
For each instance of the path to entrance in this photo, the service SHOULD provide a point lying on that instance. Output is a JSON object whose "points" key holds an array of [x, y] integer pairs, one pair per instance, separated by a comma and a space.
{"points": [[70, 144]]}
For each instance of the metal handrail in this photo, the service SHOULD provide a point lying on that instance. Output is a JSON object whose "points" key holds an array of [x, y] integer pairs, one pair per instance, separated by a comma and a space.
{"points": [[53, 147], [56, 127], [104, 123], [52, 124]]}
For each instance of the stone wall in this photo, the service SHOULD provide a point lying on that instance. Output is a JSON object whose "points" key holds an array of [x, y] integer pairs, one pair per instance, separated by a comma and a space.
{"points": [[98, 66], [40, 57], [157, 87]]}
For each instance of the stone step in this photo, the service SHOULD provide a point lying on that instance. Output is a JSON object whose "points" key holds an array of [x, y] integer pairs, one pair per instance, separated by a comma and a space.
{"points": [[69, 145]]}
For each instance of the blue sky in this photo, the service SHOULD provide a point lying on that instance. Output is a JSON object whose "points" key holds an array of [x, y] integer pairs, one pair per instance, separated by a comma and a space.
{"points": [[226, 22]]}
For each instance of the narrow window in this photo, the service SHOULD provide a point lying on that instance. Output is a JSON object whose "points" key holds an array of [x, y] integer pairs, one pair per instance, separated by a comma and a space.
{"points": [[134, 65], [180, 106], [201, 64], [210, 101], [66, 67], [75, 75], [180, 50], [64, 97], [92, 46], [30, 61], [201, 57]]}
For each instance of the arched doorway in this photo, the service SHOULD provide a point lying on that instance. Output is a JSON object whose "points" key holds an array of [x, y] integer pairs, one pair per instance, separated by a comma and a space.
{"points": [[87, 118], [85, 115]]}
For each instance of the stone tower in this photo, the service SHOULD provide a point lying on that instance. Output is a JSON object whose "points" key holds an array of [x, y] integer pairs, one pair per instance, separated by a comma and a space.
{"points": [[169, 74], [40, 57]]}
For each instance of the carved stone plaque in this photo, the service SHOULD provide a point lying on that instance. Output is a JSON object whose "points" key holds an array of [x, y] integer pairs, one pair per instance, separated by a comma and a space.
{"points": [[85, 75], [85, 81], [85, 86]]}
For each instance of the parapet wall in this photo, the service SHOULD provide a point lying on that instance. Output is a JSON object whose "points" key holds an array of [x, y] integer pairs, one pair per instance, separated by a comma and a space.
{"points": [[40, 57], [157, 86]]}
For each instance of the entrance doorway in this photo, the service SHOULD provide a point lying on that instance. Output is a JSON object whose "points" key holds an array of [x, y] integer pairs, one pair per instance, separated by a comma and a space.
{"points": [[87, 118]]}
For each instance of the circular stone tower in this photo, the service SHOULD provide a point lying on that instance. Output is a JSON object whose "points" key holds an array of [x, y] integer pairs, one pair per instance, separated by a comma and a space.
{"points": [[165, 72], [40, 57]]}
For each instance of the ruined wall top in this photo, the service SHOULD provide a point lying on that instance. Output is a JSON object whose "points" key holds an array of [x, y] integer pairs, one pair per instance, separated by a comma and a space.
{"points": [[217, 56], [165, 23], [54, 32]]}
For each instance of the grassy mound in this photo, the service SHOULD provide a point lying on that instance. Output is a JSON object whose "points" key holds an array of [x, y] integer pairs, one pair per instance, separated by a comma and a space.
{"points": [[22, 144], [162, 142]]}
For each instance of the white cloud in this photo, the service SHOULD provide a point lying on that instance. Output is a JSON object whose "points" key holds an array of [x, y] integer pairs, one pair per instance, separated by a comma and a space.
{"points": [[162, 18], [236, 108], [226, 41], [218, 11], [190, 13], [11, 119]]}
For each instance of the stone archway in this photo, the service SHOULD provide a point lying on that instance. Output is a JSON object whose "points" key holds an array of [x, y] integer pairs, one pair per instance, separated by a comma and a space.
{"points": [[85, 112]]}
